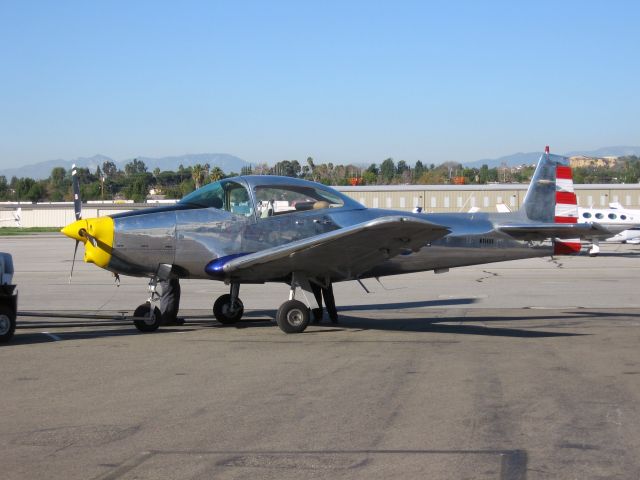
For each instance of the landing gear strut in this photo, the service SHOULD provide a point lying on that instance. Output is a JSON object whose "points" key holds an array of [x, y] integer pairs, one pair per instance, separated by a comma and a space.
{"points": [[228, 308]]}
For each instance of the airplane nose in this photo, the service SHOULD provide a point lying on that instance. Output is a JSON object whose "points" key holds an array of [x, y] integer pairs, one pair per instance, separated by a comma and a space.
{"points": [[73, 230], [97, 236]]}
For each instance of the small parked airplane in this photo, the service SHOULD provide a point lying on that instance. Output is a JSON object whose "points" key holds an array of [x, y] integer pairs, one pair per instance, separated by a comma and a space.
{"points": [[257, 229], [17, 216], [614, 218]]}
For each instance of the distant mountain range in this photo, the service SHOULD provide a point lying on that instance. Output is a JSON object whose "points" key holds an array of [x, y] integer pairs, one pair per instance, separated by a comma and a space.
{"points": [[228, 163], [532, 157]]}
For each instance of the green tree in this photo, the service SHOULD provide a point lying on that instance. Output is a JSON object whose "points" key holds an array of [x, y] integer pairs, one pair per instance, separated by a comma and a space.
{"points": [[137, 189], [216, 174], [4, 188], [187, 186], [135, 167], [21, 187], [57, 177], [287, 168], [199, 173], [36, 192], [311, 167], [418, 170], [483, 174], [109, 169], [369, 178], [388, 170]]}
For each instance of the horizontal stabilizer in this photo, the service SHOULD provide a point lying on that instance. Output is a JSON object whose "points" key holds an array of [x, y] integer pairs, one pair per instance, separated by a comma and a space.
{"points": [[542, 231]]}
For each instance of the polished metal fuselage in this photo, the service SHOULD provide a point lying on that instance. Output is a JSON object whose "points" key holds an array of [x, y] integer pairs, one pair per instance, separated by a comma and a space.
{"points": [[189, 238]]}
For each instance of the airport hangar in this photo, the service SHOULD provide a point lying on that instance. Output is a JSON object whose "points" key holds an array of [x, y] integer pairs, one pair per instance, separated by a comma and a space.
{"points": [[431, 198]]}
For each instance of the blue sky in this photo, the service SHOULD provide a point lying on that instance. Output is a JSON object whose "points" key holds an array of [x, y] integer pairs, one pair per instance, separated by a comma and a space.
{"points": [[340, 81]]}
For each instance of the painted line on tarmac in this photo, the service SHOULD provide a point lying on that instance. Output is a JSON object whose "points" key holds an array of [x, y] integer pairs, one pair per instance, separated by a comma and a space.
{"points": [[52, 336]]}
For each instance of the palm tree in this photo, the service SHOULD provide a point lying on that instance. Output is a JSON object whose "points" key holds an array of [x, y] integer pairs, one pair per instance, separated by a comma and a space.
{"points": [[216, 174], [197, 173]]}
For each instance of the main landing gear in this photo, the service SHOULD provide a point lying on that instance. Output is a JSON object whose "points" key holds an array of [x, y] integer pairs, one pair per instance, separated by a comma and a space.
{"points": [[228, 308], [293, 316]]}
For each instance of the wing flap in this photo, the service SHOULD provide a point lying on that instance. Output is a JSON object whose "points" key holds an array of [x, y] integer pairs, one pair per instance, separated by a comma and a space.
{"points": [[343, 253]]}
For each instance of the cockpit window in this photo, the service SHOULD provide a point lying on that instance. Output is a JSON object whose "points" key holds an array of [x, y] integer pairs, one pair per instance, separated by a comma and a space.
{"points": [[237, 199], [282, 199], [224, 195]]}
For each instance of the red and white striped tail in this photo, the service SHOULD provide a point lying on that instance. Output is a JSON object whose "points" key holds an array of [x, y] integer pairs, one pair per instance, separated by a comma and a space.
{"points": [[566, 210]]}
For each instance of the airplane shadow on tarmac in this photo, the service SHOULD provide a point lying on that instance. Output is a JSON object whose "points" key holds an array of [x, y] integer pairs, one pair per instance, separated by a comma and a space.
{"points": [[429, 325], [467, 325]]}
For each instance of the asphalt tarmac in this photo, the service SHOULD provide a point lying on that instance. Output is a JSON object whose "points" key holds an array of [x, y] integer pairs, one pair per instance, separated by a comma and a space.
{"points": [[524, 369]]}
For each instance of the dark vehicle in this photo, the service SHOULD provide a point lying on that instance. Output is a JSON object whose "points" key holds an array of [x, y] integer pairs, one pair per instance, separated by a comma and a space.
{"points": [[8, 298]]}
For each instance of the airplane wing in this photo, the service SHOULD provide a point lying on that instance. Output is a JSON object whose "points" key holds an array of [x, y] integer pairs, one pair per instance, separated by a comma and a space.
{"points": [[343, 253], [542, 231]]}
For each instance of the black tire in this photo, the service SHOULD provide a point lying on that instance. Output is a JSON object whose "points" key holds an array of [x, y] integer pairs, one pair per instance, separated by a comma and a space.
{"points": [[7, 323], [293, 316], [154, 321], [223, 312]]}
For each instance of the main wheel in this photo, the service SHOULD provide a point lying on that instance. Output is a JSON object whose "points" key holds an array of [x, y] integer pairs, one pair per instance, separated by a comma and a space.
{"points": [[224, 312], [293, 316], [7, 323], [153, 320]]}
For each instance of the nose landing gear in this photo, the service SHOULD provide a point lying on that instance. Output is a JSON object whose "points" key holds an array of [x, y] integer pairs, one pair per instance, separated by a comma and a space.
{"points": [[148, 320], [147, 317]]}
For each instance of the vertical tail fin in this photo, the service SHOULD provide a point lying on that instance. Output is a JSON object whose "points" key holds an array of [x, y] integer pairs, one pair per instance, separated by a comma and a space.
{"points": [[551, 198], [540, 201]]}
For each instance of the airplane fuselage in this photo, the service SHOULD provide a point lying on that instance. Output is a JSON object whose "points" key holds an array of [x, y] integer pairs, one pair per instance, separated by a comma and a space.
{"points": [[190, 238]]}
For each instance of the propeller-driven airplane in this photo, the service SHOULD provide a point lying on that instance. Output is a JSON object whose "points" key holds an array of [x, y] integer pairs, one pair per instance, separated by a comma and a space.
{"points": [[17, 216], [257, 229]]}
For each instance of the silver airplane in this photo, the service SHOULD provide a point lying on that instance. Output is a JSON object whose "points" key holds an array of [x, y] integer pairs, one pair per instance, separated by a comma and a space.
{"points": [[257, 229]]}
